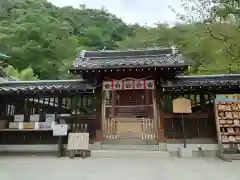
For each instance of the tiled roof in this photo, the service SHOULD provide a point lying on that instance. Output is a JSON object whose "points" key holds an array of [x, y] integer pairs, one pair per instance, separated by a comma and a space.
{"points": [[46, 85], [131, 58], [208, 80]]}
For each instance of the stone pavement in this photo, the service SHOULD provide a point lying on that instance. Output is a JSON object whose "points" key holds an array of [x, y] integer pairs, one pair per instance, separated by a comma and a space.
{"points": [[162, 168]]}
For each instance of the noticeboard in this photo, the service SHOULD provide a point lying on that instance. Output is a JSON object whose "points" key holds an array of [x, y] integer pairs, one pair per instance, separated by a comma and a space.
{"points": [[182, 105]]}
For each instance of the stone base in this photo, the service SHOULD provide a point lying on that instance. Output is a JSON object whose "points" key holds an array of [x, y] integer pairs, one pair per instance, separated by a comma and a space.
{"points": [[185, 152], [162, 146], [193, 150], [176, 150], [96, 145], [128, 154]]}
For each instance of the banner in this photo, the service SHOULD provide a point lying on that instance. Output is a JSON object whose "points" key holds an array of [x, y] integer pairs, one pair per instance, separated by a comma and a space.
{"points": [[128, 84]]}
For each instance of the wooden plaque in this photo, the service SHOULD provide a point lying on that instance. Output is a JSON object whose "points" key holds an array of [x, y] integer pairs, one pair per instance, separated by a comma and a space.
{"points": [[182, 105]]}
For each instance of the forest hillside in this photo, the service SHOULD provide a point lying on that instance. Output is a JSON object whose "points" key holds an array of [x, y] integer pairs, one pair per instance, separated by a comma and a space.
{"points": [[43, 40]]}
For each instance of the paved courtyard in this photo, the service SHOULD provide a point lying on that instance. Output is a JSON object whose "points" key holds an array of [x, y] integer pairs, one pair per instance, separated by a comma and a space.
{"points": [[167, 168]]}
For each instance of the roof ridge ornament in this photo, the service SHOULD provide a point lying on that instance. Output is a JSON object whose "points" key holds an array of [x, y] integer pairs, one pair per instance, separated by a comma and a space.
{"points": [[82, 54], [174, 50]]}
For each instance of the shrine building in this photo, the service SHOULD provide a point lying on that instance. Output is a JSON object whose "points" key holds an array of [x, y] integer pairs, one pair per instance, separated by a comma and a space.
{"points": [[124, 97]]}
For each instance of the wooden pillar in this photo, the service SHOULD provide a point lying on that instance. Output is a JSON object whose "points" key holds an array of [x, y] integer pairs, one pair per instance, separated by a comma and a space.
{"points": [[202, 102], [113, 110], [160, 114], [155, 113], [26, 108], [3, 105], [60, 101], [99, 111], [103, 112], [147, 113]]}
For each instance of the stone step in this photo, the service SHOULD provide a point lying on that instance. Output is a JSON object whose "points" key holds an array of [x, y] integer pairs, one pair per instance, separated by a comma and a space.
{"points": [[128, 154], [131, 141], [130, 147]]}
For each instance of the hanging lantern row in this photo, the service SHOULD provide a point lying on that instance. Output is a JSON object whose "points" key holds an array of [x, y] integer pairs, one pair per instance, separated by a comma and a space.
{"points": [[124, 70]]}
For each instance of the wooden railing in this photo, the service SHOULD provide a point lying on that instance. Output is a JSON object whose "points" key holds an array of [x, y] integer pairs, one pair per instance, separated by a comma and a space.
{"points": [[148, 129], [110, 129], [144, 128]]}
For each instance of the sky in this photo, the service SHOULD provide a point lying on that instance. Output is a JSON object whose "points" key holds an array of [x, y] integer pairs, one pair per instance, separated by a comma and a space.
{"points": [[144, 12]]}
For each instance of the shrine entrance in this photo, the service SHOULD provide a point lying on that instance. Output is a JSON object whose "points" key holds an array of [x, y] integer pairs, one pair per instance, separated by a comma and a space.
{"points": [[129, 109]]}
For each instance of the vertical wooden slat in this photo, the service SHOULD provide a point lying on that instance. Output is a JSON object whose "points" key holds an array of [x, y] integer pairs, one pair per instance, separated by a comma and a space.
{"points": [[116, 124], [155, 114], [108, 128], [146, 102], [148, 128], [113, 109]]}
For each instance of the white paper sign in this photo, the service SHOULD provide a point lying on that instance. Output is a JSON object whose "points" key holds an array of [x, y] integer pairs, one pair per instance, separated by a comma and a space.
{"points": [[118, 85], [60, 129], [139, 84], [50, 117], [107, 85], [128, 84], [65, 115], [36, 125], [20, 125], [150, 84], [18, 118], [78, 141], [34, 117]]}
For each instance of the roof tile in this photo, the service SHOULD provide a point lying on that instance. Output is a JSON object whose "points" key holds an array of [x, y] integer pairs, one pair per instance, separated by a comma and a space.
{"points": [[209, 80], [69, 85], [106, 59]]}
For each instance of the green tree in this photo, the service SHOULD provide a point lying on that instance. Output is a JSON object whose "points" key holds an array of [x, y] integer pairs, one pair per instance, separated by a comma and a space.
{"points": [[220, 36], [43, 36], [23, 75]]}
